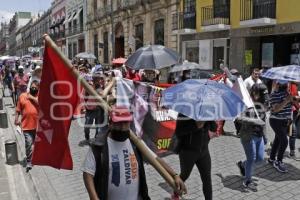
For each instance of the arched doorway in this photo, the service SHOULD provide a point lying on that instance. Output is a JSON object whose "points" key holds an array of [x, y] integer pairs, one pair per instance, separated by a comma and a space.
{"points": [[119, 41]]}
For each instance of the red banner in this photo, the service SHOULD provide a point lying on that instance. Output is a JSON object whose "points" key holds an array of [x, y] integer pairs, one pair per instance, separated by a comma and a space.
{"points": [[57, 101]]}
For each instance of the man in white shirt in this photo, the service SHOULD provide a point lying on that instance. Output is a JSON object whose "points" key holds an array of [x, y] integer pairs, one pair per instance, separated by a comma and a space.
{"points": [[113, 168], [254, 78]]}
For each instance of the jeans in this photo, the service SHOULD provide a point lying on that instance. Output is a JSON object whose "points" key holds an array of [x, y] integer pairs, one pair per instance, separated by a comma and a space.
{"points": [[202, 160], [254, 150], [280, 127], [292, 138], [29, 136], [91, 116]]}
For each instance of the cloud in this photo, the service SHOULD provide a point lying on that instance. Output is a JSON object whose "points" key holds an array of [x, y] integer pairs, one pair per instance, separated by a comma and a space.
{"points": [[5, 16]]}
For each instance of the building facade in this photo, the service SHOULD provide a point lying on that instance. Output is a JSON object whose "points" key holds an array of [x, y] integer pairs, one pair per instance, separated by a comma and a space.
{"points": [[4, 37], [58, 24], [239, 33], [39, 27], [117, 28], [19, 20], [76, 12]]}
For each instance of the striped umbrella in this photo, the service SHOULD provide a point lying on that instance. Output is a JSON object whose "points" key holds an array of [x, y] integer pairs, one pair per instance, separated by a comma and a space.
{"points": [[285, 73]]}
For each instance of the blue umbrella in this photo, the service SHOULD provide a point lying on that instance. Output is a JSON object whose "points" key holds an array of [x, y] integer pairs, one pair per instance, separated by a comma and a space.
{"points": [[203, 100], [285, 73]]}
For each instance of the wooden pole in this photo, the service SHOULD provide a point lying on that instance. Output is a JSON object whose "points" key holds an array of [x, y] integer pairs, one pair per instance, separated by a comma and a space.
{"points": [[146, 152]]}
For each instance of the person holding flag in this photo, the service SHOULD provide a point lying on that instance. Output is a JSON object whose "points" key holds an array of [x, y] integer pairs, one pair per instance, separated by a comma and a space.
{"points": [[251, 134], [113, 168], [27, 107]]}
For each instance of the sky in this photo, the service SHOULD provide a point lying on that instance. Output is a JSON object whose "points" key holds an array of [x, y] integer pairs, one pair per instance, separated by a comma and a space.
{"points": [[9, 7]]}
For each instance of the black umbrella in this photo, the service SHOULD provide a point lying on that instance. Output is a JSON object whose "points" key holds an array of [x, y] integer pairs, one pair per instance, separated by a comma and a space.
{"points": [[152, 57]]}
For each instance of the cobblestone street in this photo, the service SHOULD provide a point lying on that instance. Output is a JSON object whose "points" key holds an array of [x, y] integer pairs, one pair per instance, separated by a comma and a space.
{"points": [[225, 152]]}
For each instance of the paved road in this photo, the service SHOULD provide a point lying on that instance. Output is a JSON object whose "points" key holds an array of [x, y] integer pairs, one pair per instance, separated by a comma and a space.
{"points": [[225, 152]]}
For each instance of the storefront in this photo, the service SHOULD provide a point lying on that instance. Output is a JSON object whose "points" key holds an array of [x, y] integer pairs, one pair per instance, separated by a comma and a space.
{"points": [[265, 46], [209, 49]]}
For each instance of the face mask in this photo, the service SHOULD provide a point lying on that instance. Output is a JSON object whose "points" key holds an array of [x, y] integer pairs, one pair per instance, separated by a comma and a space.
{"points": [[119, 135], [282, 87], [33, 91]]}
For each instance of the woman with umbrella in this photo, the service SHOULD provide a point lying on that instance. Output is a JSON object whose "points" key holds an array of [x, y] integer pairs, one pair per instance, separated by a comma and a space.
{"points": [[193, 139], [280, 119], [200, 103], [251, 132]]}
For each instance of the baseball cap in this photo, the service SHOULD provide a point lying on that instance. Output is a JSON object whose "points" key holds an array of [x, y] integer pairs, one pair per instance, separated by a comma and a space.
{"points": [[20, 67], [120, 114], [234, 71]]}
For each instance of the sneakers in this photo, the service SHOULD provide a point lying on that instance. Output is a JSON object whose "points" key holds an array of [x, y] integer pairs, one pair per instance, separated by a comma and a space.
{"points": [[280, 166], [270, 161], [250, 185], [241, 167], [175, 196]]}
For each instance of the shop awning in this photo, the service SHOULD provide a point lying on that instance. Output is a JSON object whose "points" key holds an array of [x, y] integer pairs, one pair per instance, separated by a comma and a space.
{"points": [[77, 14]]}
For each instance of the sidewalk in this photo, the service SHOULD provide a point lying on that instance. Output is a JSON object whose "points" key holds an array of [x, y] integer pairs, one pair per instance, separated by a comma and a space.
{"points": [[16, 183]]}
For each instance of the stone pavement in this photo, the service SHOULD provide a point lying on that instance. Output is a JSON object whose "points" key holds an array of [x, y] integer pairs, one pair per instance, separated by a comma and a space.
{"points": [[225, 151]]}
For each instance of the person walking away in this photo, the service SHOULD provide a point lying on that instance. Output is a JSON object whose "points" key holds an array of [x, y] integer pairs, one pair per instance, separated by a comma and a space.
{"points": [[193, 139], [7, 79], [27, 107], [295, 108], [280, 119], [113, 168], [20, 82], [251, 134], [254, 78]]}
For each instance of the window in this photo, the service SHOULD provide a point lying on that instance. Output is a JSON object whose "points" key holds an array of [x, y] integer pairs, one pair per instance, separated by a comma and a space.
{"points": [[221, 8], [74, 50], [189, 6], [139, 36], [95, 6], [105, 41], [70, 51], [96, 45], [159, 32]]}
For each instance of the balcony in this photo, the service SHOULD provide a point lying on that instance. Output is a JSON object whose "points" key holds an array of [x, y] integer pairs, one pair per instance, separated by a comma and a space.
{"points": [[128, 4], [102, 12], [74, 31], [258, 13], [57, 36], [184, 22], [215, 18]]}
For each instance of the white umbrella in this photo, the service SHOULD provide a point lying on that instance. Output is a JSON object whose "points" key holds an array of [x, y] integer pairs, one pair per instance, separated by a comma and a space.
{"points": [[86, 55], [186, 65]]}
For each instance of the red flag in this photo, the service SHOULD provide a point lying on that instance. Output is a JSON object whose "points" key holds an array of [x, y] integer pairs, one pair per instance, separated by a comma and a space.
{"points": [[57, 101]]}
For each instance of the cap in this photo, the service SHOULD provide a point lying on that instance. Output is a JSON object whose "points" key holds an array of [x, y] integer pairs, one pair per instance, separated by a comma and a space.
{"points": [[234, 71], [120, 114], [282, 82], [20, 67]]}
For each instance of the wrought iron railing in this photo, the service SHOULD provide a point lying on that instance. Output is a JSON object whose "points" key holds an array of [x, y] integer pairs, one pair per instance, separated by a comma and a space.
{"points": [[255, 9], [212, 15], [184, 20]]}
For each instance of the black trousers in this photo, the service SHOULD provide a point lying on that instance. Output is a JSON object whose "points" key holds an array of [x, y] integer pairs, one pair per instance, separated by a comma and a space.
{"points": [[202, 160]]}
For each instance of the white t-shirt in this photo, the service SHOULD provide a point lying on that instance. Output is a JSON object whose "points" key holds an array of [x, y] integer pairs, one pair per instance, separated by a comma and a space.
{"points": [[123, 178], [249, 82]]}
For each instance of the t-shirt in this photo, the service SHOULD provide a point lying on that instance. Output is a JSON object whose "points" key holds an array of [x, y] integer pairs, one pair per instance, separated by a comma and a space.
{"points": [[277, 98], [29, 112], [123, 178], [249, 82], [21, 82]]}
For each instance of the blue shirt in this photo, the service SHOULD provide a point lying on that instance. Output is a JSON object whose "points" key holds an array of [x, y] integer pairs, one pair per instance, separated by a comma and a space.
{"points": [[278, 97]]}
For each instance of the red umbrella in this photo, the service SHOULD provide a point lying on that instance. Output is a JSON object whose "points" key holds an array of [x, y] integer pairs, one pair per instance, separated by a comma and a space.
{"points": [[119, 61]]}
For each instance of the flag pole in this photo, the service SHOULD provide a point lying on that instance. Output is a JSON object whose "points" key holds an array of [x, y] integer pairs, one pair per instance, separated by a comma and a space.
{"points": [[152, 158]]}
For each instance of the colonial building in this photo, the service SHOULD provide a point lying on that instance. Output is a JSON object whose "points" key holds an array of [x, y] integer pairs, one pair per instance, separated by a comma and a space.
{"points": [[38, 28], [116, 28], [76, 27], [240, 33], [58, 24], [19, 20], [4, 36]]}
